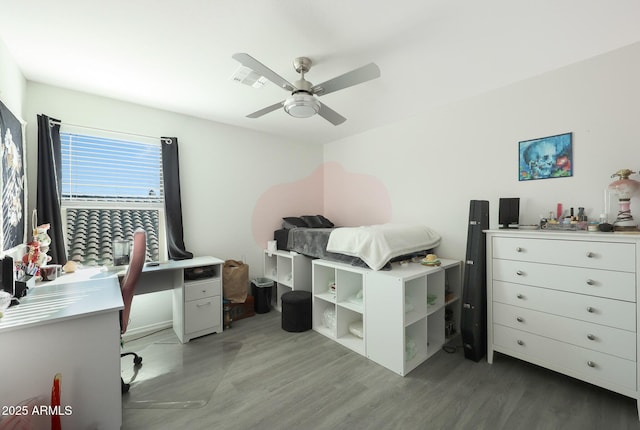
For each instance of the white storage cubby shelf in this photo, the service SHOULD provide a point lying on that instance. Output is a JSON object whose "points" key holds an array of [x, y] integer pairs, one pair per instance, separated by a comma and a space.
{"points": [[290, 271], [403, 311], [335, 311], [452, 296]]}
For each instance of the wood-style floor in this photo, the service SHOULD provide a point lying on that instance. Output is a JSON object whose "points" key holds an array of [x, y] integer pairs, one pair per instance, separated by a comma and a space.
{"points": [[281, 380]]}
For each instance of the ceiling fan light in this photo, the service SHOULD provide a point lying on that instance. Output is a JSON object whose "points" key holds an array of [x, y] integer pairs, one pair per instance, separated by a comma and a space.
{"points": [[301, 105]]}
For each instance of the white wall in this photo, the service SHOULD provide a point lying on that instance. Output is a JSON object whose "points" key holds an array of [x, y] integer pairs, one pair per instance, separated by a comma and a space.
{"points": [[12, 94], [223, 169], [12, 83], [223, 172], [428, 166], [435, 163]]}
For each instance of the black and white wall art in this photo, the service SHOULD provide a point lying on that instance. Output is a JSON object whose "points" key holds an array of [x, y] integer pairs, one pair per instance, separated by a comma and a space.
{"points": [[12, 180]]}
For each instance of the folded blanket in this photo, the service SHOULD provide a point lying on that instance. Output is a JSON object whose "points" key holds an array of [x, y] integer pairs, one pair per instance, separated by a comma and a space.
{"points": [[377, 244]]}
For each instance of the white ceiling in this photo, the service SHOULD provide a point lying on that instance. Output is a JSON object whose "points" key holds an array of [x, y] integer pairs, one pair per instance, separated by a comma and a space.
{"points": [[176, 55]]}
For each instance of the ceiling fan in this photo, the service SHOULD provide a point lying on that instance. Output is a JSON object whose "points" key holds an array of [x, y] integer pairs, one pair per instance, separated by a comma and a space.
{"points": [[303, 101]]}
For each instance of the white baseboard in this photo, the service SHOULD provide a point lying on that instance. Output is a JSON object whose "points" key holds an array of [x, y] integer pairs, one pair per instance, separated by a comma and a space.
{"points": [[138, 332]]}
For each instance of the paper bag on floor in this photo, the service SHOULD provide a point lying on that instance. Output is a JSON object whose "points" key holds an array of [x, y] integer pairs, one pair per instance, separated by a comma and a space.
{"points": [[235, 281]]}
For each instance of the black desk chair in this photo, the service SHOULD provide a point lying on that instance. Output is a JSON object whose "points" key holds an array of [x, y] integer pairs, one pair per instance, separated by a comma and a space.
{"points": [[127, 287]]}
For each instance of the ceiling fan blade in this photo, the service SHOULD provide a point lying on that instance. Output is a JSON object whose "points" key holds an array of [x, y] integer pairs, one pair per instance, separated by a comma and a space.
{"points": [[330, 115], [250, 62], [349, 79], [264, 111]]}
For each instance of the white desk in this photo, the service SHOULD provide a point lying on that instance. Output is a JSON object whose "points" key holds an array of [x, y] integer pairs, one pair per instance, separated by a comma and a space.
{"points": [[68, 328], [71, 326], [147, 283], [197, 305]]}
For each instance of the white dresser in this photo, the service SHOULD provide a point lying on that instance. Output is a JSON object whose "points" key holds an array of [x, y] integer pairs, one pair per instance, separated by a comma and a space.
{"points": [[566, 301]]}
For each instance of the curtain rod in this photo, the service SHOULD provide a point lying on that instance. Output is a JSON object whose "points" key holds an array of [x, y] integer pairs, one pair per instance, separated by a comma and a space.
{"points": [[162, 139]]}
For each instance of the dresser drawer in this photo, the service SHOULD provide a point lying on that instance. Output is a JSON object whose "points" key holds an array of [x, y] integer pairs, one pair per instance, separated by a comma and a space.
{"points": [[614, 341], [602, 283], [598, 310], [194, 290], [202, 314], [586, 364], [597, 255]]}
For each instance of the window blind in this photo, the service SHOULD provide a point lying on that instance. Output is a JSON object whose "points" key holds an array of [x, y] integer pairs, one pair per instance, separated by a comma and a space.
{"points": [[102, 169]]}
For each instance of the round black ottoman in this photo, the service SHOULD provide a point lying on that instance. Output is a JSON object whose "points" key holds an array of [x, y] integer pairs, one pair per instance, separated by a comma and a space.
{"points": [[296, 311]]}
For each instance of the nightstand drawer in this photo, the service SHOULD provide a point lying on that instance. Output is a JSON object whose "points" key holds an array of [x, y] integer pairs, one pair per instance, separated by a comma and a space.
{"points": [[589, 365], [579, 253], [602, 283], [597, 310], [194, 290], [609, 340], [202, 314]]}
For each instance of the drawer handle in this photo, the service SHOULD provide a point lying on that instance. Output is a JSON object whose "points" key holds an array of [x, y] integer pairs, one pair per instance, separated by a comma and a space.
{"points": [[520, 296], [590, 254], [590, 309], [518, 249], [591, 282], [520, 319], [200, 305], [521, 343], [591, 337], [591, 363], [519, 273]]}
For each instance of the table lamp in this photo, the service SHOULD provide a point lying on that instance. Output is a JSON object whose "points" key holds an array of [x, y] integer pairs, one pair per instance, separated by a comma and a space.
{"points": [[624, 188]]}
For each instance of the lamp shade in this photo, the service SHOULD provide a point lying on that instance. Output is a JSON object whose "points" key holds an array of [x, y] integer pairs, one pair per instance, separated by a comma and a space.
{"points": [[624, 188], [301, 105]]}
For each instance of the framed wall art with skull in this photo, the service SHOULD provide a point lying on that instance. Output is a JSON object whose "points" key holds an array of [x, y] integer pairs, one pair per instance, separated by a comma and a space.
{"points": [[546, 157]]}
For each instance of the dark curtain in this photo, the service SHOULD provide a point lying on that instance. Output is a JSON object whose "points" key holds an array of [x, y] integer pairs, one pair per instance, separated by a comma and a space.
{"points": [[50, 185], [172, 200]]}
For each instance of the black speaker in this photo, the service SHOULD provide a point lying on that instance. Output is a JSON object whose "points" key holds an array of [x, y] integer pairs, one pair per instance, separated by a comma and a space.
{"points": [[509, 212], [7, 273], [473, 319]]}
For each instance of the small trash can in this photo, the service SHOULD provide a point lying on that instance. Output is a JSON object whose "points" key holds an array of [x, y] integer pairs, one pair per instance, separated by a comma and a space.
{"points": [[261, 291]]}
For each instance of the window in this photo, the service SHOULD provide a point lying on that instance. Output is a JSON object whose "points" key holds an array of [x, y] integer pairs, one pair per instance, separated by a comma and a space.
{"points": [[110, 187]]}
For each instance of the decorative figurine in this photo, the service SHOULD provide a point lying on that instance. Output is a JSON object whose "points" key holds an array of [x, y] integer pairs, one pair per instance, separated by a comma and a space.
{"points": [[38, 247]]}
